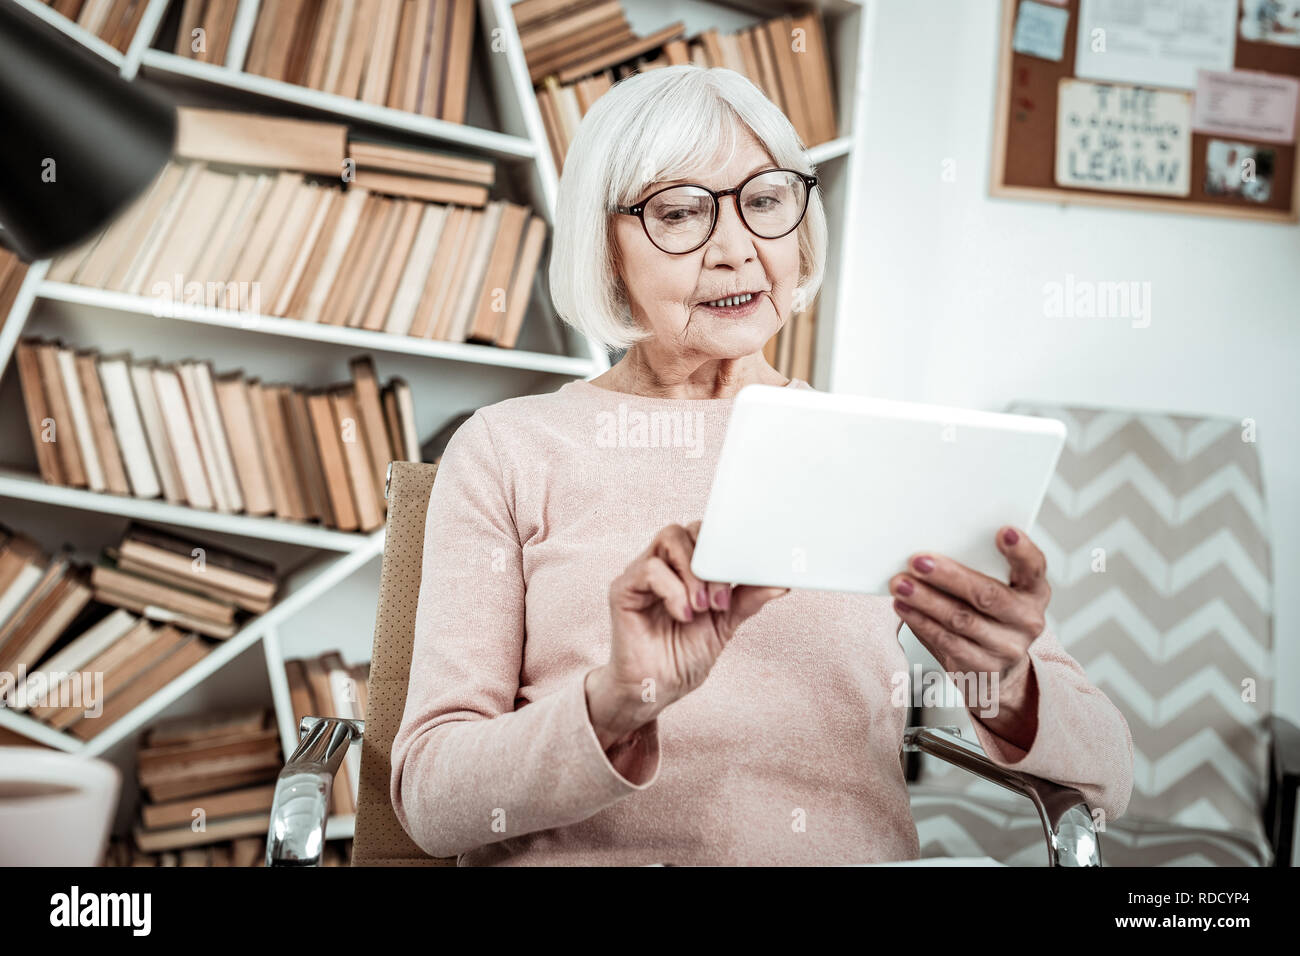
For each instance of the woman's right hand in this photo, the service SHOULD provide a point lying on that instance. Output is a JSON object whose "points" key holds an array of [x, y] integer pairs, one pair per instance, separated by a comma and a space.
{"points": [[668, 629]]}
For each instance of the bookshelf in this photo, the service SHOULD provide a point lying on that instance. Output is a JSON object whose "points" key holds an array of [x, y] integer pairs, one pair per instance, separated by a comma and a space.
{"points": [[328, 602]]}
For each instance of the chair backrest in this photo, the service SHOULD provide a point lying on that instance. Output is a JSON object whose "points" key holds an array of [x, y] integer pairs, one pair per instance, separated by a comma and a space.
{"points": [[1157, 547], [378, 838]]}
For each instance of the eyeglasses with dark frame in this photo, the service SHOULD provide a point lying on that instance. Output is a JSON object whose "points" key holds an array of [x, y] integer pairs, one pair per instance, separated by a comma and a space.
{"points": [[638, 210]]}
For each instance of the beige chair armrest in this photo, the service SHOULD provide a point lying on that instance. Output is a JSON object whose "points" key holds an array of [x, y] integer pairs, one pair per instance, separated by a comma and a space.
{"points": [[1072, 839]]}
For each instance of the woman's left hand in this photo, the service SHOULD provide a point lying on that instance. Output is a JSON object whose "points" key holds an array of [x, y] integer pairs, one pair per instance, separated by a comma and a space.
{"points": [[971, 622]]}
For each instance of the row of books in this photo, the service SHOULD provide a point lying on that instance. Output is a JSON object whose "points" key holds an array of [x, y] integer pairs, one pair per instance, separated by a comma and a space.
{"points": [[785, 57], [572, 38], [12, 272], [134, 657], [412, 246], [216, 440], [207, 778], [244, 851], [790, 351], [325, 686], [113, 21], [204, 27], [132, 620], [412, 55]]}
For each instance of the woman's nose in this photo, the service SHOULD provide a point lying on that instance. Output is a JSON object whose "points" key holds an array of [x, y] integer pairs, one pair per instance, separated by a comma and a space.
{"points": [[731, 237]]}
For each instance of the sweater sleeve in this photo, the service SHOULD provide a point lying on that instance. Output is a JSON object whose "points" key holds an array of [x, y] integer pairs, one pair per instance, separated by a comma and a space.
{"points": [[468, 768], [1082, 739]]}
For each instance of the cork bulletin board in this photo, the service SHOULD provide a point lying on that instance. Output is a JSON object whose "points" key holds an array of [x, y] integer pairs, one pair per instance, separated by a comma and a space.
{"points": [[1138, 143]]}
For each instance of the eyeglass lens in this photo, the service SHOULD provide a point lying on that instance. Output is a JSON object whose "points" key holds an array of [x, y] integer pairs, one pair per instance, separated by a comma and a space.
{"points": [[679, 219]]}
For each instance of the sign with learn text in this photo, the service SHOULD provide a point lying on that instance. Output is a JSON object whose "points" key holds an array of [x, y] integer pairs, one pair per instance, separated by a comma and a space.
{"points": [[1123, 138]]}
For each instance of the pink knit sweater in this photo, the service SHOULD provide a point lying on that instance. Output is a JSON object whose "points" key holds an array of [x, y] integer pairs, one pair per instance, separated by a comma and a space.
{"points": [[787, 754]]}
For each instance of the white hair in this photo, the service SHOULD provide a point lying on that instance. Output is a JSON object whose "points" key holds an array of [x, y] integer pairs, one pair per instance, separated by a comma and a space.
{"points": [[658, 126]]}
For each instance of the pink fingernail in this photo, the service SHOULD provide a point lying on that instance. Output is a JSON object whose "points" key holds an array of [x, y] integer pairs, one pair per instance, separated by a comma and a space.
{"points": [[724, 599], [923, 564], [1010, 536], [905, 587], [701, 598]]}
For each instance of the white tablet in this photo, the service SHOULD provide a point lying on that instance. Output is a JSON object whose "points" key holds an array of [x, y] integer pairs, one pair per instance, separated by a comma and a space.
{"points": [[836, 492]]}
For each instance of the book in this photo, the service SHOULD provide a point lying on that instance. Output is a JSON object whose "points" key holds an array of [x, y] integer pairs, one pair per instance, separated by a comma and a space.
{"points": [[251, 139], [329, 447], [351, 429], [216, 806], [365, 388], [38, 411], [102, 435]]}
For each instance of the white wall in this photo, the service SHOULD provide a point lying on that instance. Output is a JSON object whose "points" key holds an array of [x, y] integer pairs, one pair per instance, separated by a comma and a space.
{"points": [[950, 304]]}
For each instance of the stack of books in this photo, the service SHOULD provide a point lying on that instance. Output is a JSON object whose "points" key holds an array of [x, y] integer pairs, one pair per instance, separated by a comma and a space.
{"points": [[785, 57], [41, 597], [217, 441], [207, 779], [113, 21], [195, 586], [80, 638], [325, 686], [90, 664], [572, 38], [244, 851], [396, 240], [412, 55], [12, 272]]}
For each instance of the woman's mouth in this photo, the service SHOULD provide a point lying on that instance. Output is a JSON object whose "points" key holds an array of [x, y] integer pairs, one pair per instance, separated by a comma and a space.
{"points": [[735, 306]]}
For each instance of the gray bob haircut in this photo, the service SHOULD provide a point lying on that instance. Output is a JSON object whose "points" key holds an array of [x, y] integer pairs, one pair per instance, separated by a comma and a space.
{"points": [[662, 125]]}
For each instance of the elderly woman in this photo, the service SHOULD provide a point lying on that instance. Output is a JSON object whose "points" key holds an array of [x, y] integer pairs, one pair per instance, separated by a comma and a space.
{"points": [[577, 695]]}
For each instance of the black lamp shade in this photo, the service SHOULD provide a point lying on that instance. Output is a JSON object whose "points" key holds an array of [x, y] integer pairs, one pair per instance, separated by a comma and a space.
{"points": [[77, 141]]}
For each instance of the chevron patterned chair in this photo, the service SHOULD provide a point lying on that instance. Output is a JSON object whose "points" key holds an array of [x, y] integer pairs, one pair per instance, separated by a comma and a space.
{"points": [[1157, 546]]}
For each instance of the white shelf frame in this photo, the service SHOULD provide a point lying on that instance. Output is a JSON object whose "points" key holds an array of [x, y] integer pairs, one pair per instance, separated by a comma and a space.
{"points": [[300, 588], [158, 63], [71, 29], [314, 331], [525, 142], [26, 487]]}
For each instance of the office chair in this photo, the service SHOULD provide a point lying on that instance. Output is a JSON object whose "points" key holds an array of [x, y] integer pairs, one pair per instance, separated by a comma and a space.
{"points": [[296, 834]]}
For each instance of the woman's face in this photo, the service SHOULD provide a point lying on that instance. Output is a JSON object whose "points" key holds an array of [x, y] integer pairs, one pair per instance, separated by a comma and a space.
{"points": [[668, 292]]}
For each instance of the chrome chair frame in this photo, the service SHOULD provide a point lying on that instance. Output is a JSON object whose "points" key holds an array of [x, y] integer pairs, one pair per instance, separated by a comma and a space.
{"points": [[1072, 838], [296, 836]]}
